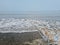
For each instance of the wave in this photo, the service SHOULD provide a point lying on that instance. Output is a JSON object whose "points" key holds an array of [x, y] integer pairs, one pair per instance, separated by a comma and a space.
{"points": [[16, 24]]}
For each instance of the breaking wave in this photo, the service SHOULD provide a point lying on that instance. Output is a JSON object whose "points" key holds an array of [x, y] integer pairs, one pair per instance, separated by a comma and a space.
{"points": [[15, 24]]}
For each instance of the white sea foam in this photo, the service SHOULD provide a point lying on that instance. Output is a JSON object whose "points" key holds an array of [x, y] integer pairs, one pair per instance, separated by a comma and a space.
{"points": [[26, 24]]}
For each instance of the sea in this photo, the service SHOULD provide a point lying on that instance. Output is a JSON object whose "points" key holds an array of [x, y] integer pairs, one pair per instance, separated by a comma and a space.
{"points": [[37, 15], [51, 18], [30, 16]]}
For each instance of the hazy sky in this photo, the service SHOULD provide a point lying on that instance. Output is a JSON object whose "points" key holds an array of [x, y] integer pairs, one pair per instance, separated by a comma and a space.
{"points": [[29, 5]]}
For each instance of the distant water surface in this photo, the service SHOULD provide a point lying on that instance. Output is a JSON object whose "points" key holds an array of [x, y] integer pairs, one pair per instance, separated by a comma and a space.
{"points": [[25, 16]]}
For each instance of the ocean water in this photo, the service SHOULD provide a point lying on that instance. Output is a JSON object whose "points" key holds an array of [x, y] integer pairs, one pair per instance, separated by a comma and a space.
{"points": [[35, 17], [26, 22], [18, 23]]}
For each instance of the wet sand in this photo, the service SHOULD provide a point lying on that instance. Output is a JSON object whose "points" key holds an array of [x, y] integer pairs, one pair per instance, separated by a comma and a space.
{"points": [[18, 38]]}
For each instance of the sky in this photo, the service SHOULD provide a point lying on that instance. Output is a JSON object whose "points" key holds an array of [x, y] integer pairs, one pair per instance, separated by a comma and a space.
{"points": [[29, 5]]}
